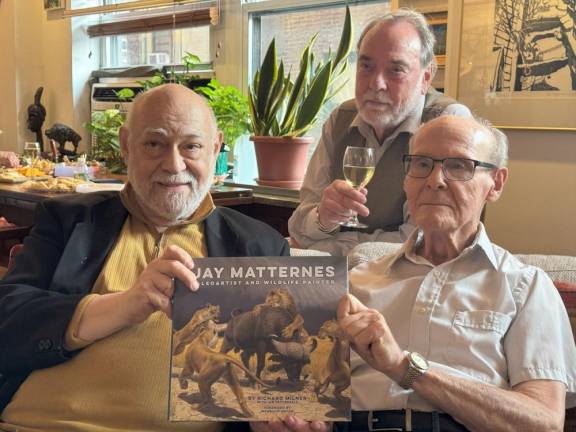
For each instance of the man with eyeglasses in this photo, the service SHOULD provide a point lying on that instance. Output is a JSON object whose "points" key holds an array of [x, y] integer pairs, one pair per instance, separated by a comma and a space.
{"points": [[453, 333], [393, 96]]}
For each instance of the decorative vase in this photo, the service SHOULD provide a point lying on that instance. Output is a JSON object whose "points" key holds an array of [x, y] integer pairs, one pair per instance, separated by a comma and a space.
{"points": [[281, 160], [221, 168]]}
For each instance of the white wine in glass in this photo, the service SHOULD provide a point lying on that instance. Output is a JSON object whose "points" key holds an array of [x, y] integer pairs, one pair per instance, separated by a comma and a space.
{"points": [[359, 166], [31, 152]]}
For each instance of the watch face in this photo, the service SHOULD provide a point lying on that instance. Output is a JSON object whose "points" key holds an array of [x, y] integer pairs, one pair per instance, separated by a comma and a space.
{"points": [[419, 360]]}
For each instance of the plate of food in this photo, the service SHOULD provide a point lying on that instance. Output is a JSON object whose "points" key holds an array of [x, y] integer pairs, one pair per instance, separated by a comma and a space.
{"points": [[12, 176], [53, 185], [32, 173]]}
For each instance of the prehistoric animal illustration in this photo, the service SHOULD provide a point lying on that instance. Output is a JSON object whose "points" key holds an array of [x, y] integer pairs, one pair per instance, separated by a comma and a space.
{"points": [[292, 356], [62, 134], [280, 297], [36, 117], [190, 331], [338, 365], [251, 331], [211, 365]]}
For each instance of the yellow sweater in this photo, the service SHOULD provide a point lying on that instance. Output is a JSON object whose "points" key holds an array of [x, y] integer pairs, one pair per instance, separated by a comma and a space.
{"points": [[119, 383]]}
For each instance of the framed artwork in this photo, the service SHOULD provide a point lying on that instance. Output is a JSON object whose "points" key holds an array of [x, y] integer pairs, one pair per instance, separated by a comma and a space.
{"points": [[54, 4], [438, 22], [517, 63]]}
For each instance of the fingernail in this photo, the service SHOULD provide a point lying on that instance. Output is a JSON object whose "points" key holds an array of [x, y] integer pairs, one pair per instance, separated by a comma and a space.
{"points": [[291, 420]]}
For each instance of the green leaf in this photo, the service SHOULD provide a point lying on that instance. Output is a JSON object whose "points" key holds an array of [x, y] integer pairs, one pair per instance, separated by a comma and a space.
{"points": [[125, 94], [275, 93], [315, 98], [267, 78], [299, 84], [345, 40]]}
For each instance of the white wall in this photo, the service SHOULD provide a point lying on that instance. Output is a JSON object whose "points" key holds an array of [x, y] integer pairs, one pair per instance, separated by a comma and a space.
{"points": [[537, 212], [37, 51]]}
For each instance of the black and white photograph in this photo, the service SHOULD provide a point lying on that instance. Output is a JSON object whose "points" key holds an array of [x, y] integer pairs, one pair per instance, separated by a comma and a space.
{"points": [[517, 62], [54, 4]]}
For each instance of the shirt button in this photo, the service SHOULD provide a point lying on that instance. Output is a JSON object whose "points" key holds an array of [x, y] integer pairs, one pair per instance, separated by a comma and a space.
{"points": [[423, 310], [44, 344]]}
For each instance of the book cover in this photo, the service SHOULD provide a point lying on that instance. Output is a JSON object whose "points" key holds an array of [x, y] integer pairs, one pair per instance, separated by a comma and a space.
{"points": [[259, 341]]}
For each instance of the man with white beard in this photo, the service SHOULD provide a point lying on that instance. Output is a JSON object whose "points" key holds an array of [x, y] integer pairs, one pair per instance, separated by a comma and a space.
{"points": [[393, 96], [85, 327]]}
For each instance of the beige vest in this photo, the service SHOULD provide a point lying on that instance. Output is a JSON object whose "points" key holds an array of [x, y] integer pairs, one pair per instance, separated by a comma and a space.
{"points": [[385, 192]]}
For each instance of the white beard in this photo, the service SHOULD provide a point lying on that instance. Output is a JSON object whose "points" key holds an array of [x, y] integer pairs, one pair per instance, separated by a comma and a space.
{"points": [[172, 206], [390, 116]]}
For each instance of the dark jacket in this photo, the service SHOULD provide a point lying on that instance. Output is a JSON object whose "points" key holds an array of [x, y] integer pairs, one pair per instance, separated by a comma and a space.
{"points": [[60, 262]]}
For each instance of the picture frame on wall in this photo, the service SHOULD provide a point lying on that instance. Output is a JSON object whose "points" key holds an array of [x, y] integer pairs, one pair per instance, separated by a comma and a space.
{"points": [[50, 5], [438, 22], [517, 62]]}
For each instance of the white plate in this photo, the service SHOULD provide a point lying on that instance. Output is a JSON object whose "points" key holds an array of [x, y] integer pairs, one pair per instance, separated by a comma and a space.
{"points": [[98, 187]]}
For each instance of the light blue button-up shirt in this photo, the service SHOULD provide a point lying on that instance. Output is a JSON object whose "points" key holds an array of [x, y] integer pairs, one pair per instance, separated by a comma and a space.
{"points": [[484, 316]]}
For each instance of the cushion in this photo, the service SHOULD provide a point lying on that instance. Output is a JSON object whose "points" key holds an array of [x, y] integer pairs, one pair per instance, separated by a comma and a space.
{"points": [[307, 252], [559, 267], [370, 251]]}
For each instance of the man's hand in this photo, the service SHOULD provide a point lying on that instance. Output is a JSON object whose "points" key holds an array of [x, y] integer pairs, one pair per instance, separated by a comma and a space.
{"points": [[9, 159], [155, 285], [339, 202], [108, 313], [290, 424], [371, 337]]}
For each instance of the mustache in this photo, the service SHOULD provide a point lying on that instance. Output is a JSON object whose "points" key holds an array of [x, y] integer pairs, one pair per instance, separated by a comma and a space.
{"points": [[176, 179], [376, 97]]}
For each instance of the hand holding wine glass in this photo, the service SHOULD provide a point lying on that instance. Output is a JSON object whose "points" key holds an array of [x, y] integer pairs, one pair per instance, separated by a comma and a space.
{"points": [[359, 166]]}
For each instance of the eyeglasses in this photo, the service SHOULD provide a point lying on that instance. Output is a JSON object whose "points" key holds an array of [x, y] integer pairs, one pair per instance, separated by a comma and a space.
{"points": [[458, 169]]}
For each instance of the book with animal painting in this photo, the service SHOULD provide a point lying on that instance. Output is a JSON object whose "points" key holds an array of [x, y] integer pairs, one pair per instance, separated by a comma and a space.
{"points": [[259, 341]]}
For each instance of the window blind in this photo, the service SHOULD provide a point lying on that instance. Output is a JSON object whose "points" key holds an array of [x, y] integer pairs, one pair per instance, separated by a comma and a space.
{"points": [[153, 20]]}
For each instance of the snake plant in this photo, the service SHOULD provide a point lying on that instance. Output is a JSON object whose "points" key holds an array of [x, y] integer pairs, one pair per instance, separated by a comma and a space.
{"points": [[282, 107]]}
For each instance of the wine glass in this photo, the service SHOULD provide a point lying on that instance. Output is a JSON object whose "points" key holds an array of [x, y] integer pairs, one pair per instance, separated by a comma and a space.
{"points": [[359, 165], [31, 152]]}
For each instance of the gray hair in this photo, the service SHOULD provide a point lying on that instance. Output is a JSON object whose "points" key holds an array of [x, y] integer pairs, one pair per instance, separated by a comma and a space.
{"points": [[418, 21], [499, 141]]}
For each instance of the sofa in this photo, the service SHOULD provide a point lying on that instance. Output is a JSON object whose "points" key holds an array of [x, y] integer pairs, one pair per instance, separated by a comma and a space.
{"points": [[561, 269]]}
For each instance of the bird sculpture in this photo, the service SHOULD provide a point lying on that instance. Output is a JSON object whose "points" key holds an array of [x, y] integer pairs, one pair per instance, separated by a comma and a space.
{"points": [[36, 117]]}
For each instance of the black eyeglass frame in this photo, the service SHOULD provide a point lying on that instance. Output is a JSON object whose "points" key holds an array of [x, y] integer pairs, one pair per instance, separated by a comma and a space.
{"points": [[407, 158]]}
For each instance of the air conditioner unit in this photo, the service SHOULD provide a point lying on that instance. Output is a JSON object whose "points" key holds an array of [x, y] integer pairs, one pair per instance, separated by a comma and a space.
{"points": [[104, 96]]}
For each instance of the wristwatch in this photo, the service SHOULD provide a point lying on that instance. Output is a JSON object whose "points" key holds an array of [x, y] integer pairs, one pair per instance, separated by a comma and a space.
{"points": [[417, 366]]}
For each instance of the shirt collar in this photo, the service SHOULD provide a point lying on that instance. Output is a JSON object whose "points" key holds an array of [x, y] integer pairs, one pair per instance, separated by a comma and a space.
{"points": [[409, 125], [481, 242]]}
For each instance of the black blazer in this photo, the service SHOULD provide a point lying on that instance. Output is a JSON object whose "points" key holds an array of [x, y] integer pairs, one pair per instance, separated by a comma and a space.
{"points": [[60, 262]]}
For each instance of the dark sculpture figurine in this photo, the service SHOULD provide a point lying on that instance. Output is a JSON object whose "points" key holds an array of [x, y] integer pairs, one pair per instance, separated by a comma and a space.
{"points": [[61, 134], [36, 117]]}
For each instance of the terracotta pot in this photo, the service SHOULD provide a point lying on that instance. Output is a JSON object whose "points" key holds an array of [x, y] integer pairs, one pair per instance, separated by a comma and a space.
{"points": [[281, 160]]}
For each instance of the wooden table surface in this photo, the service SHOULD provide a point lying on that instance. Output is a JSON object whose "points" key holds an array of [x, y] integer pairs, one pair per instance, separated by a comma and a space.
{"points": [[17, 204]]}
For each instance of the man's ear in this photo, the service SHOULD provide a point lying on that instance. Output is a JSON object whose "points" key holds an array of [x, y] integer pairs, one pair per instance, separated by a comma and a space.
{"points": [[123, 136], [500, 177], [427, 76]]}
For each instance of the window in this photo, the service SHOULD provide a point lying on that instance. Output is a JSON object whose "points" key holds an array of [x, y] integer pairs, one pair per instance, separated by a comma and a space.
{"points": [[293, 28], [155, 48], [156, 32]]}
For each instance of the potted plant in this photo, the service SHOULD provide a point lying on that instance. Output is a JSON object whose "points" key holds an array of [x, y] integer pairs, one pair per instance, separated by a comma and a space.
{"points": [[282, 110], [104, 125], [231, 111]]}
